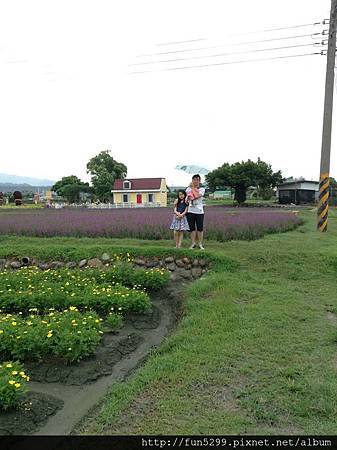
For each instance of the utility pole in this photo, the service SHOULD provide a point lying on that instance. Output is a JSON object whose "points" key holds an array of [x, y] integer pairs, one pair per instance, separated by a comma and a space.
{"points": [[323, 205]]}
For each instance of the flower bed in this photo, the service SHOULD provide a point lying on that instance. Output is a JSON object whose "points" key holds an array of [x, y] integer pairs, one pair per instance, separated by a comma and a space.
{"points": [[68, 334], [86, 289], [148, 223]]}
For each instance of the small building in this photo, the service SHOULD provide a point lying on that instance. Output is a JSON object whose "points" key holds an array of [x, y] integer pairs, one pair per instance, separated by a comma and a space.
{"points": [[218, 195], [140, 192], [298, 191]]}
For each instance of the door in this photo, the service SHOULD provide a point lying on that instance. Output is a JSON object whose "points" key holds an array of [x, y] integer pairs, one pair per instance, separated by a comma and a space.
{"points": [[139, 198]]}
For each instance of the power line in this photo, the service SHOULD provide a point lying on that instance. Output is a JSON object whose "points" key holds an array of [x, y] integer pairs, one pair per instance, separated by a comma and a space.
{"points": [[229, 63], [182, 42], [313, 35], [229, 53], [268, 30], [324, 22]]}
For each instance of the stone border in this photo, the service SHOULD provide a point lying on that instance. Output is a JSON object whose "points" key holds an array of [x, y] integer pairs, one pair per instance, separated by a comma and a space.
{"points": [[182, 268]]}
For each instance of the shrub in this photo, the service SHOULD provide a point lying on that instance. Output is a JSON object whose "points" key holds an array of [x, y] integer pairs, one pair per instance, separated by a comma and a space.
{"points": [[13, 382], [68, 334]]}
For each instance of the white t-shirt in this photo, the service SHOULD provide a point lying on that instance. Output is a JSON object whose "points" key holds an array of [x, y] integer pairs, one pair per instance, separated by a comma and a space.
{"points": [[197, 206]]}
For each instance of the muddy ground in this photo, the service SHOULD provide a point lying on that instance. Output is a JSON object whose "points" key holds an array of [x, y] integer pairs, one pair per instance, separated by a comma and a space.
{"points": [[61, 395]]}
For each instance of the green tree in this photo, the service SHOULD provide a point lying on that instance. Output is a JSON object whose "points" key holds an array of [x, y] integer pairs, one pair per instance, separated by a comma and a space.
{"points": [[104, 170], [70, 188], [241, 175]]}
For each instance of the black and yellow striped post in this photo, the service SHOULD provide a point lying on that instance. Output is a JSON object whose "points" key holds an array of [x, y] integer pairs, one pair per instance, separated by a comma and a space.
{"points": [[323, 205]]}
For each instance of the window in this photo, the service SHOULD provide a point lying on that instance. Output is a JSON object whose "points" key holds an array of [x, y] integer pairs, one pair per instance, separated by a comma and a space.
{"points": [[150, 198], [126, 184], [125, 198]]}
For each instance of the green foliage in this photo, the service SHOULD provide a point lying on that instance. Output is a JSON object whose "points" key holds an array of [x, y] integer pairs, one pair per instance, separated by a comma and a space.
{"points": [[104, 170], [152, 279], [115, 320], [70, 188], [33, 288], [68, 334], [13, 382], [241, 175]]}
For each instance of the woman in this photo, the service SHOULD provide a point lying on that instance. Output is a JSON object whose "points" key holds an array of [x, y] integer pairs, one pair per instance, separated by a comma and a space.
{"points": [[195, 212]]}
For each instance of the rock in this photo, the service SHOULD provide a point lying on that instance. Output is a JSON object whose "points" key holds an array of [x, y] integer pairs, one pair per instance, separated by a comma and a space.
{"points": [[44, 266], [196, 263], [188, 267], [95, 263], [82, 263], [202, 263], [105, 257], [2, 263], [15, 265], [196, 272], [186, 274], [71, 265], [169, 260], [56, 265], [152, 263], [180, 263], [186, 260], [174, 276], [204, 271], [172, 267], [139, 262]]}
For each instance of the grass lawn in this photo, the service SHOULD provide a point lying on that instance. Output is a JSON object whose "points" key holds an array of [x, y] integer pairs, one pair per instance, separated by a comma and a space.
{"points": [[256, 351]]}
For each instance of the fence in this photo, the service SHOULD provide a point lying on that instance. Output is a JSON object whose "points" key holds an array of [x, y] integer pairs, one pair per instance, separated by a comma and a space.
{"points": [[107, 205]]}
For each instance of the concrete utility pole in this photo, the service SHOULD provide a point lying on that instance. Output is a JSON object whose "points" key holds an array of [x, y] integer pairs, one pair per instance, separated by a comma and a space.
{"points": [[323, 205]]}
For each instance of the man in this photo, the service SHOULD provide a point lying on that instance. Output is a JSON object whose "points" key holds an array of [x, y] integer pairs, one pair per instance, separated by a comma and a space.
{"points": [[195, 211]]}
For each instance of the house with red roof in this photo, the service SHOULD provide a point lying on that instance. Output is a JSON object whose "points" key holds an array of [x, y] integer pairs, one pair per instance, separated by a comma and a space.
{"points": [[139, 192]]}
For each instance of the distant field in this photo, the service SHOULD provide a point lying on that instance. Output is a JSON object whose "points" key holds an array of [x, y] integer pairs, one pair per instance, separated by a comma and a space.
{"points": [[222, 224]]}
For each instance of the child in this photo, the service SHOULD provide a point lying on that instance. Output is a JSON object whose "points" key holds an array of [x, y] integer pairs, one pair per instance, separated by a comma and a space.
{"points": [[192, 194], [179, 223]]}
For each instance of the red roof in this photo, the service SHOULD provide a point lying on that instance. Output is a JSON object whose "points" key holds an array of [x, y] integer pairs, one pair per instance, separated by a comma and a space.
{"points": [[138, 184]]}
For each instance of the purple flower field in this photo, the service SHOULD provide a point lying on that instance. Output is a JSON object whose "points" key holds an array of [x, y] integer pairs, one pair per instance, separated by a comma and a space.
{"points": [[221, 224]]}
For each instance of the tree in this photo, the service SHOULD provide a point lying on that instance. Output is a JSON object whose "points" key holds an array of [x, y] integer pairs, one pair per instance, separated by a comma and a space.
{"points": [[104, 170], [241, 175], [70, 188]]}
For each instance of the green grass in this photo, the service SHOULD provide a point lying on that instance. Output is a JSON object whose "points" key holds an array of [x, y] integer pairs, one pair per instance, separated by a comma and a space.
{"points": [[256, 351]]}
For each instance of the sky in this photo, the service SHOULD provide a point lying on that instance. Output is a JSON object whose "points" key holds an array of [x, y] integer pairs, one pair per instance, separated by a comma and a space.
{"points": [[67, 90]]}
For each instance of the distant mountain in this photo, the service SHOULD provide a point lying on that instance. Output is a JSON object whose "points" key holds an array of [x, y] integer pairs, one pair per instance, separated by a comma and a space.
{"points": [[16, 179], [24, 188]]}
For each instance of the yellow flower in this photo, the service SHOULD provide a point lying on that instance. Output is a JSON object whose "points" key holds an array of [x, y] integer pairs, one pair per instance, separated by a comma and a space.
{"points": [[27, 378], [73, 308], [17, 385], [1, 331], [13, 323], [11, 382], [9, 365]]}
